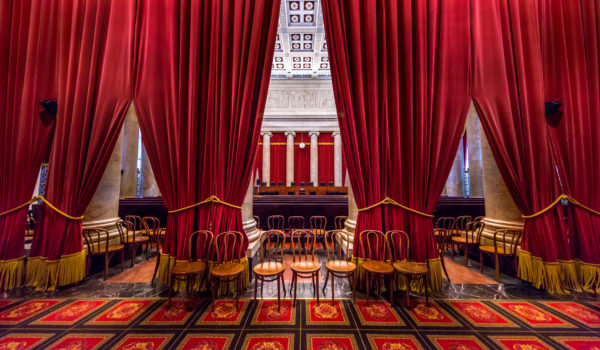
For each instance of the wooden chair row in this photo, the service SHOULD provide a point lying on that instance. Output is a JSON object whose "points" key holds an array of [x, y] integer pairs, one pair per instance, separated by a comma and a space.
{"points": [[277, 222]]}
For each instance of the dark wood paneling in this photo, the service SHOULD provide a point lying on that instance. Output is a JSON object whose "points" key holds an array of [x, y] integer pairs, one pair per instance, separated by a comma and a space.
{"points": [[457, 206], [148, 206]]}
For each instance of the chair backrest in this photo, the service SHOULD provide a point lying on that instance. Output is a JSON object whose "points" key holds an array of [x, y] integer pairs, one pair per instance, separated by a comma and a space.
{"points": [[446, 222], [510, 240], [228, 246], [305, 241], [125, 228], [199, 245], [339, 222], [161, 234], [275, 222], [318, 224], [95, 238], [150, 224], [473, 231], [372, 245], [336, 252], [136, 220], [257, 219], [462, 221], [478, 218], [272, 245], [398, 245], [296, 223]]}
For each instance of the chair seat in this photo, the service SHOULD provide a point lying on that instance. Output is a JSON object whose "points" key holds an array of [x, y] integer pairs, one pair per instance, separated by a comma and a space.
{"points": [[189, 267], [269, 268], [460, 232], [227, 269], [111, 248], [140, 239], [305, 266], [376, 266], [490, 249], [460, 240], [341, 266], [410, 267]]}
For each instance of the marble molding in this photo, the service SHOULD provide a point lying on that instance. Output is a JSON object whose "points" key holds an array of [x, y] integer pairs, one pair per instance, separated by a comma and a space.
{"points": [[248, 221], [314, 157], [266, 170], [289, 157], [130, 154], [149, 185], [474, 149]]}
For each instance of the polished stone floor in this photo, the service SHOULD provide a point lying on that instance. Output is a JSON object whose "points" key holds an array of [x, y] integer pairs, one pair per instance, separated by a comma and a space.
{"points": [[508, 288]]}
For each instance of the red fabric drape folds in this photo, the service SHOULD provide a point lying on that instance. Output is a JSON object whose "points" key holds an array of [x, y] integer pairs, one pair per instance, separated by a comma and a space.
{"points": [[278, 155], [26, 79], [571, 50], [509, 96], [201, 87], [94, 45], [400, 74], [302, 159], [325, 158]]}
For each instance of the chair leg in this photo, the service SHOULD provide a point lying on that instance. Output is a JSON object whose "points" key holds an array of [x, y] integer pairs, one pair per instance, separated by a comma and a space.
{"points": [[392, 284], [480, 262], [282, 284], [262, 285], [171, 283], [407, 276], [156, 267], [106, 259], [497, 267], [354, 282], [466, 254], [444, 269], [122, 258], [326, 279], [278, 295], [368, 275], [426, 283], [238, 291], [317, 286], [332, 288], [255, 285], [295, 285], [133, 254], [215, 284]]}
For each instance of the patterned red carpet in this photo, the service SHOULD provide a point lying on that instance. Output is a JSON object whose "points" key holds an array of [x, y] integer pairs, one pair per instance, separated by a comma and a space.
{"points": [[447, 324]]}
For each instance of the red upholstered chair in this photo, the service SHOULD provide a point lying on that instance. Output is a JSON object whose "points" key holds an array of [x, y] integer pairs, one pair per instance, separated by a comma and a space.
{"points": [[227, 268], [373, 246]]}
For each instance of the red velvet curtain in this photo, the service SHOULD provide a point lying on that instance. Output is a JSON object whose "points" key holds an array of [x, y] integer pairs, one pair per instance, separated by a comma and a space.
{"points": [[278, 155], [509, 96], [400, 74], [571, 50], [325, 158], [201, 88], [26, 79], [94, 44], [302, 158]]}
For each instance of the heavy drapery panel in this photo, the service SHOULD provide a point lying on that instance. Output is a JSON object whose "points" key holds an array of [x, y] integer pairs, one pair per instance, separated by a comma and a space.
{"points": [[326, 162], [509, 96], [201, 86], [571, 44], [302, 158], [278, 156], [400, 74], [94, 45], [26, 79]]}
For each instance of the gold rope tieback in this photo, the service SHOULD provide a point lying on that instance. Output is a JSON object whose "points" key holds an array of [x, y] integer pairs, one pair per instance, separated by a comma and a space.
{"points": [[36, 198], [556, 201], [210, 199], [388, 200]]}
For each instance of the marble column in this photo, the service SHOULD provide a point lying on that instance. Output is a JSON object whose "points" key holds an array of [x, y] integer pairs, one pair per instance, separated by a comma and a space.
{"points": [[350, 226], [103, 210], [130, 154], [248, 220], [149, 185], [474, 147], [289, 158], [454, 184], [337, 158], [266, 171], [501, 212], [314, 157]]}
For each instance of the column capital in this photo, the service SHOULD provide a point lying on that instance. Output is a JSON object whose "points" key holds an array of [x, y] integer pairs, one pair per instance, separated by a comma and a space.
{"points": [[335, 133], [287, 133], [313, 133], [266, 133]]}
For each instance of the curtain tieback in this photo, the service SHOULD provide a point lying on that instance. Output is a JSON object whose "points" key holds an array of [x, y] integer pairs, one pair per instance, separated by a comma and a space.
{"points": [[388, 200], [556, 201], [34, 199], [210, 199]]}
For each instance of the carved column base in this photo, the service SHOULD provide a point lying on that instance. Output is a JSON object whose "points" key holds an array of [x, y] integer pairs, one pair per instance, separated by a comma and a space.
{"points": [[493, 225], [108, 224]]}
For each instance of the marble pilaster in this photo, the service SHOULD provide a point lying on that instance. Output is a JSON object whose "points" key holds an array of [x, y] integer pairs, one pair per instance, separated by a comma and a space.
{"points": [[289, 157], [130, 154], [474, 147], [248, 220], [337, 158], [314, 157], [454, 184], [266, 171]]}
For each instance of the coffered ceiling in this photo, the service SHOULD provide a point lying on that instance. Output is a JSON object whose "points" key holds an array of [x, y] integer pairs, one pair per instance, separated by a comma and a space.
{"points": [[300, 47]]}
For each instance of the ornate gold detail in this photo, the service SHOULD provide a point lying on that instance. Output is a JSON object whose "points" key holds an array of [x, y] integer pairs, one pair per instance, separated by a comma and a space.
{"points": [[429, 313], [268, 345], [479, 312], [530, 313], [396, 346], [326, 311], [140, 345], [377, 311], [13, 345], [125, 310], [224, 310]]}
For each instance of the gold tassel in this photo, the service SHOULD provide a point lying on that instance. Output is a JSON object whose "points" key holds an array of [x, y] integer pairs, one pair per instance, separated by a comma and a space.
{"points": [[47, 275], [11, 273], [589, 276]]}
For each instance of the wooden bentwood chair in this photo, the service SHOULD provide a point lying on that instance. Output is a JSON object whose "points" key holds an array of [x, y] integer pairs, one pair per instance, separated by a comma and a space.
{"points": [[336, 265], [472, 236], [131, 238], [397, 240], [510, 240], [374, 264], [271, 263], [196, 266], [339, 222], [304, 263], [96, 240], [275, 222], [228, 267], [444, 230], [150, 224]]}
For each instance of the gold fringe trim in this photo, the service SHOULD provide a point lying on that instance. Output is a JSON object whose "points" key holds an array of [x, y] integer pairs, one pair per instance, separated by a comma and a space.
{"points": [[556, 278], [417, 286], [44, 274], [166, 265], [589, 276], [210, 199], [11, 273], [388, 200]]}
